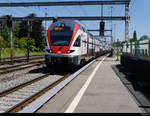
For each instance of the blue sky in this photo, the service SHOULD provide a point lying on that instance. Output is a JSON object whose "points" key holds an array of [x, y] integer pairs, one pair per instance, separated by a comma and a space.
{"points": [[139, 15]]}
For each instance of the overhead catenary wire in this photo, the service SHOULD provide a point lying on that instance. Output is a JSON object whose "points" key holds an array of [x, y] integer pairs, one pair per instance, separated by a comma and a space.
{"points": [[68, 10], [34, 9]]}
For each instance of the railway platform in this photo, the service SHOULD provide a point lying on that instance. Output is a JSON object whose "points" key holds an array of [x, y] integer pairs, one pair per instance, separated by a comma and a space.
{"points": [[96, 90]]}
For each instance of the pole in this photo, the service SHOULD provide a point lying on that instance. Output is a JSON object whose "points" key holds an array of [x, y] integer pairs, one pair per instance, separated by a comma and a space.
{"points": [[117, 51], [28, 51], [45, 25], [111, 26], [11, 45], [127, 22], [114, 32], [102, 24], [0, 54], [0, 35]]}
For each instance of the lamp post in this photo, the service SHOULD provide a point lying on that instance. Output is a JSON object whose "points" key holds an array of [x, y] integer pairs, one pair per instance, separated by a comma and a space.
{"points": [[117, 50]]}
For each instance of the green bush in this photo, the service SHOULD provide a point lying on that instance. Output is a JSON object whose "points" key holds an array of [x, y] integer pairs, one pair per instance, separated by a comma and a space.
{"points": [[23, 43]]}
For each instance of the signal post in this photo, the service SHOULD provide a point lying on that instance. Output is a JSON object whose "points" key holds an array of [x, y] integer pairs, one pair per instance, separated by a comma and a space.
{"points": [[10, 26]]}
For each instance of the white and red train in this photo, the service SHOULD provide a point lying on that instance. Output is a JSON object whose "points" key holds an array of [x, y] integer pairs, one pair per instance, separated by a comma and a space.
{"points": [[69, 43]]}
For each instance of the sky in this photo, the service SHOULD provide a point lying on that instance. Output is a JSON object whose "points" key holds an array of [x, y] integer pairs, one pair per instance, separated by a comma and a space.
{"points": [[139, 15]]}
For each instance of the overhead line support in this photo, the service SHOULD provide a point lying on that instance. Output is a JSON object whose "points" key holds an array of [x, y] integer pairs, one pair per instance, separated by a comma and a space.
{"points": [[75, 18], [69, 3]]}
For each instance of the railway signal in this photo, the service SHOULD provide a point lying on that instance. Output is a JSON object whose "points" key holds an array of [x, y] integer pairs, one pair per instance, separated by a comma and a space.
{"points": [[1, 27], [9, 21], [102, 27], [10, 26]]}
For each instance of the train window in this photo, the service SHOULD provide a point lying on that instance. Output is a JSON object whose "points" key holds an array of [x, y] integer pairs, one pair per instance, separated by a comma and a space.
{"points": [[83, 29], [145, 51], [77, 42], [84, 44], [142, 51], [60, 38], [139, 51]]}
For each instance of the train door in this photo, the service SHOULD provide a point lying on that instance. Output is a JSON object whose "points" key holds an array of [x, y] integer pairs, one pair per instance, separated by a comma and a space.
{"points": [[83, 45], [92, 47]]}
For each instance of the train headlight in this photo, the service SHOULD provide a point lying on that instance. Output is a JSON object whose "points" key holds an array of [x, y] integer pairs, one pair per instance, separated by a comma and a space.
{"points": [[69, 51]]}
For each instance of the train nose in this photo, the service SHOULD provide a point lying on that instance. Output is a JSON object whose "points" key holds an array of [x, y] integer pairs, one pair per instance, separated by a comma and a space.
{"points": [[60, 49]]}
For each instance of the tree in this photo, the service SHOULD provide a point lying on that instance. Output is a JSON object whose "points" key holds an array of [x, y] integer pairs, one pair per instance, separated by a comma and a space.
{"points": [[122, 43], [1, 45], [134, 37], [16, 28], [22, 43], [117, 44], [5, 31], [23, 29], [144, 37], [37, 32]]}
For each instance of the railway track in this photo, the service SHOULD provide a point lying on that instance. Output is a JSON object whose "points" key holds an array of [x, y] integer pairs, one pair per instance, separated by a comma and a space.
{"points": [[28, 97], [8, 69], [20, 59], [13, 100]]}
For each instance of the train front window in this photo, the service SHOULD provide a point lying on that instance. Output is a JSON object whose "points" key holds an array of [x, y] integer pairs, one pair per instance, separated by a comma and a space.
{"points": [[60, 38]]}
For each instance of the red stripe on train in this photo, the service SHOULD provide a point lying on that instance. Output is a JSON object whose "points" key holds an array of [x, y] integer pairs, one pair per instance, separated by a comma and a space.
{"points": [[74, 33], [48, 34]]}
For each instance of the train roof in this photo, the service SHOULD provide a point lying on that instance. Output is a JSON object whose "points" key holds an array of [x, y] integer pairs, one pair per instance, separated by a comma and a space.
{"points": [[67, 22], [71, 23]]}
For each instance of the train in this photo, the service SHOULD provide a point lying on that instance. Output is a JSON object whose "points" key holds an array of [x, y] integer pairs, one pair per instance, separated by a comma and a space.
{"points": [[69, 43]]}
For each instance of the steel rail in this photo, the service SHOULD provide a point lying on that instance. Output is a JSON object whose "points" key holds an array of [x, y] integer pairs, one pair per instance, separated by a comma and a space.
{"points": [[21, 67], [19, 60], [18, 88], [36, 95], [16, 57], [20, 64]]}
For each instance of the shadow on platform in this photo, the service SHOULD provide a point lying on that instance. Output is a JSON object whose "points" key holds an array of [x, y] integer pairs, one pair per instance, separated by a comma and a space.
{"points": [[137, 86]]}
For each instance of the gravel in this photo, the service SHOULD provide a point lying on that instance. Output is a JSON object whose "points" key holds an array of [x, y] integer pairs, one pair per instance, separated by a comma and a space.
{"points": [[13, 79]]}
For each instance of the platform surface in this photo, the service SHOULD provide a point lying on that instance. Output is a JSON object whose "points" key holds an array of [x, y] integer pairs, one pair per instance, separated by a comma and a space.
{"points": [[104, 94]]}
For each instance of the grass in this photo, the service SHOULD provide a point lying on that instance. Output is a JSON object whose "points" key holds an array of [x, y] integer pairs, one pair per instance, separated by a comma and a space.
{"points": [[117, 54], [17, 52]]}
